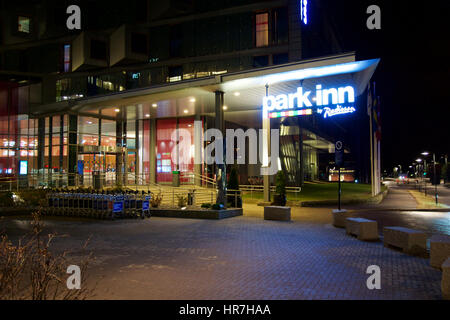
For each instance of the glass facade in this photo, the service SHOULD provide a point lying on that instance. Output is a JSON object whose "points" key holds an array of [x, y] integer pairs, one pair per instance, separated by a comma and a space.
{"points": [[18, 136]]}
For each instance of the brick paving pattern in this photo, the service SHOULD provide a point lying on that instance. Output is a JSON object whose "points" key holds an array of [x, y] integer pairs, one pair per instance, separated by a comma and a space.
{"points": [[244, 258]]}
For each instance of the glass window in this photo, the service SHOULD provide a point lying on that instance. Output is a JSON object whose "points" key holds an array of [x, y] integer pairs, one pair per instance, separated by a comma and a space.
{"points": [[175, 73], [144, 152], [23, 24], [260, 61], [67, 58], [88, 140], [164, 149], [280, 58], [262, 29], [280, 26], [187, 155], [108, 128], [88, 125], [108, 141]]}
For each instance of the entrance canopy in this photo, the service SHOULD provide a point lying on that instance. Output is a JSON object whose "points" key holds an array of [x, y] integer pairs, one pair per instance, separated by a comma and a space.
{"points": [[243, 91]]}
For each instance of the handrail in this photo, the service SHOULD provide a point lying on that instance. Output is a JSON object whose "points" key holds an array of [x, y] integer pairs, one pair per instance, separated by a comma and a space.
{"points": [[257, 187], [200, 177]]}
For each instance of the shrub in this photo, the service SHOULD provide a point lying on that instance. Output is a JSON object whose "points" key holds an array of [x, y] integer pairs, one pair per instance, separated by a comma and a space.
{"points": [[280, 182], [155, 200], [33, 197], [217, 206], [6, 199], [29, 270], [206, 205], [233, 179], [182, 201]]}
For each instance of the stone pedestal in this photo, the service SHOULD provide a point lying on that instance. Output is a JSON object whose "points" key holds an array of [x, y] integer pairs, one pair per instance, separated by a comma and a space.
{"points": [[439, 250], [445, 284], [277, 213], [339, 217], [409, 240], [364, 229]]}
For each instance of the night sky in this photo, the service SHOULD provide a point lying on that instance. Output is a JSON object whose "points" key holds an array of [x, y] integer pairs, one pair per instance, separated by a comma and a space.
{"points": [[412, 78]]}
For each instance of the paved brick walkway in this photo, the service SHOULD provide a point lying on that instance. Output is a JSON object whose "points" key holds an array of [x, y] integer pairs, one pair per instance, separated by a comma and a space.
{"points": [[244, 258]]}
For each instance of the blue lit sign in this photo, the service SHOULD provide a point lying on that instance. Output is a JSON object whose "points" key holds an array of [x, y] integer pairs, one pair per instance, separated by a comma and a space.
{"points": [[304, 11], [284, 105], [23, 167]]}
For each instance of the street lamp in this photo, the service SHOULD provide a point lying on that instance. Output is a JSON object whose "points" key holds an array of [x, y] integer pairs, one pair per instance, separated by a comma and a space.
{"points": [[418, 160], [426, 153]]}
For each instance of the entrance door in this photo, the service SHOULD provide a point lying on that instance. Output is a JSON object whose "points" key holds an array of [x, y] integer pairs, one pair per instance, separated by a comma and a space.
{"points": [[131, 168], [103, 163]]}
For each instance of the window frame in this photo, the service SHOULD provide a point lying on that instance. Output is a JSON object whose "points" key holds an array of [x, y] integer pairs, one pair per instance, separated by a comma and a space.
{"points": [[269, 27]]}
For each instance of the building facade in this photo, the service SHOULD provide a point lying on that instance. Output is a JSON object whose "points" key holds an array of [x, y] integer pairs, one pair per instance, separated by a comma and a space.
{"points": [[106, 99]]}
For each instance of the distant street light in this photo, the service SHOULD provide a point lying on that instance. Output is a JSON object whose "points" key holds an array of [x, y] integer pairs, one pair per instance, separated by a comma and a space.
{"points": [[425, 154]]}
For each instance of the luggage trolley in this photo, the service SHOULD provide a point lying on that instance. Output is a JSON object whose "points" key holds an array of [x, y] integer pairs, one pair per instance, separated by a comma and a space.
{"points": [[118, 206], [146, 205]]}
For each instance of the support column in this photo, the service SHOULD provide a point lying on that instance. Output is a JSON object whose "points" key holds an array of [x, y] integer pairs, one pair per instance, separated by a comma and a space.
{"points": [[266, 152], [221, 171], [301, 160], [198, 148], [120, 146], [40, 148], [152, 149], [137, 159], [73, 150], [50, 151]]}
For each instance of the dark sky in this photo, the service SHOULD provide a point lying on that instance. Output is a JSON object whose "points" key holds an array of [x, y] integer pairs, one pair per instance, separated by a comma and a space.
{"points": [[412, 78]]}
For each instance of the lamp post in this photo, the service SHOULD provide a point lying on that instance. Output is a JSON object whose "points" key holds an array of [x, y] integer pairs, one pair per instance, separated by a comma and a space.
{"points": [[434, 178], [425, 153], [418, 160]]}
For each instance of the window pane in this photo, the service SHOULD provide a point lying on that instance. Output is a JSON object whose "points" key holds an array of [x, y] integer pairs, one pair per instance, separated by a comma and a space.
{"points": [[164, 147], [262, 29], [23, 24], [67, 58]]}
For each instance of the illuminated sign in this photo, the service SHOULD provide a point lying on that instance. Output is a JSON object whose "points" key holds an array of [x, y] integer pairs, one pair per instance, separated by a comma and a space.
{"points": [[23, 167], [328, 101], [328, 112], [290, 113], [304, 11]]}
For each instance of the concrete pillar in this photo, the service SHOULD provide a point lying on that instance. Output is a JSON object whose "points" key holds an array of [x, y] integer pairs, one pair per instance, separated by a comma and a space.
{"points": [[50, 149], [152, 155], [73, 150], [40, 146], [198, 149], [221, 172], [137, 166], [266, 153], [120, 154], [301, 159]]}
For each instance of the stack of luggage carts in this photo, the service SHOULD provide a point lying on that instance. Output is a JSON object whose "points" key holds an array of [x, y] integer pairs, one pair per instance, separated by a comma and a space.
{"points": [[98, 204]]}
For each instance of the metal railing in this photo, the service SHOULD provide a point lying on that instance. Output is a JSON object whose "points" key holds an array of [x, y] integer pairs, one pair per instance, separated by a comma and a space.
{"points": [[206, 193], [255, 190], [195, 177]]}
